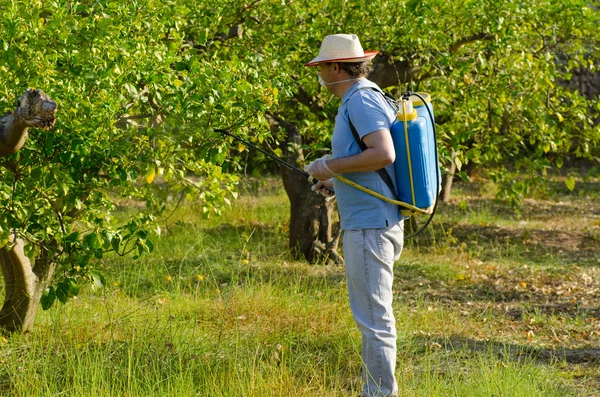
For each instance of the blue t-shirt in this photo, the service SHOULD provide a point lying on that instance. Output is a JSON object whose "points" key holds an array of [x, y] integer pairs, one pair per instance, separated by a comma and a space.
{"points": [[369, 112]]}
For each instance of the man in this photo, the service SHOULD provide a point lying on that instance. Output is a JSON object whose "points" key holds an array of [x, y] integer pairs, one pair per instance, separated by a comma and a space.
{"points": [[373, 228]]}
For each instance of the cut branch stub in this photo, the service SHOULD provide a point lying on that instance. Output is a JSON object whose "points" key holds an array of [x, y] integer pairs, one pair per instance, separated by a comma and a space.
{"points": [[34, 109]]}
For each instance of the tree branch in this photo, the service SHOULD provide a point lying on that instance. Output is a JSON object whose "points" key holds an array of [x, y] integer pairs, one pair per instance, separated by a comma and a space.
{"points": [[471, 39], [312, 103], [10, 165]]}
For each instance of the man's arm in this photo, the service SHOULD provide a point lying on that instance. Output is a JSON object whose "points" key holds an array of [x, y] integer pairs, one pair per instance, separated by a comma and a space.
{"points": [[380, 152]]}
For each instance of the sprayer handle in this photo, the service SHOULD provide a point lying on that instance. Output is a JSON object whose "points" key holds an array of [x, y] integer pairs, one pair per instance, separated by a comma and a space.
{"points": [[314, 181]]}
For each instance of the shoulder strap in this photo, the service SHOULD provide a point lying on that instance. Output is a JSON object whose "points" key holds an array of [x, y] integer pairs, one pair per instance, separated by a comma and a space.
{"points": [[382, 171], [388, 97]]}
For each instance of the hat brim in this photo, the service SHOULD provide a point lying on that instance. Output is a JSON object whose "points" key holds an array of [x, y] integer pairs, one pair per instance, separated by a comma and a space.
{"points": [[368, 56]]}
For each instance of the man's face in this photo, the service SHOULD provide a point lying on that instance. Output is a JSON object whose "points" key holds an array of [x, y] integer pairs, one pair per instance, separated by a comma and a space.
{"points": [[325, 71]]}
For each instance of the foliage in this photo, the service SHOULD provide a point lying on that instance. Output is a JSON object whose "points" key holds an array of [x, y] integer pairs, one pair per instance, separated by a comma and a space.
{"points": [[140, 83], [498, 80]]}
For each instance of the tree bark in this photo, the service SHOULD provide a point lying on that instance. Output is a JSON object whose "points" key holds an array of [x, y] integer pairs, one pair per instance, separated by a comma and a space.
{"points": [[388, 72], [23, 285], [13, 134], [311, 216], [448, 178], [34, 109]]}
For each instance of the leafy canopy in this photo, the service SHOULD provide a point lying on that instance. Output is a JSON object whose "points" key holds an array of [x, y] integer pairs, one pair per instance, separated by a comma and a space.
{"points": [[141, 83]]}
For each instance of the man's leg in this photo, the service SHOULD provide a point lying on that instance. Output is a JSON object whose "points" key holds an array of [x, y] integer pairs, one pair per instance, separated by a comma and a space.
{"points": [[369, 255]]}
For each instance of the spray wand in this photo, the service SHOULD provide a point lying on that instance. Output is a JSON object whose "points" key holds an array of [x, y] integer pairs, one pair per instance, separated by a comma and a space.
{"points": [[429, 211], [310, 178], [314, 180]]}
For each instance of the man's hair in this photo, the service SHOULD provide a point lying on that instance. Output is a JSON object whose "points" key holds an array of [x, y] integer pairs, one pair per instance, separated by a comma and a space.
{"points": [[356, 69]]}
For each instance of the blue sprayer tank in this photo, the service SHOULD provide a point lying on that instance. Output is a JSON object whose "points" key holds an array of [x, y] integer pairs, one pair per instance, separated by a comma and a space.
{"points": [[418, 175]]}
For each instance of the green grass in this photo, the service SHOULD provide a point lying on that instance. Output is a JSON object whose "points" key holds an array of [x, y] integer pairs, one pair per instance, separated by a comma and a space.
{"points": [[221, 309]]}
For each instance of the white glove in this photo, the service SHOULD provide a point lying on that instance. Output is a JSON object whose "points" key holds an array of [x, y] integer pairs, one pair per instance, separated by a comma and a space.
{"points": [[319, 168], [324, 188]]}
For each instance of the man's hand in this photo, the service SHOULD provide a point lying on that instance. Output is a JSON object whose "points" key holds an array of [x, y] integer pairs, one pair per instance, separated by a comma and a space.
{"points": [[324, 188], [319, 168]]}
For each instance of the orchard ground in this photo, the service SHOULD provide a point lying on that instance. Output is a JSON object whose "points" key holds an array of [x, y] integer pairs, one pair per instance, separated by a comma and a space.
{"points": [[488, 302]]}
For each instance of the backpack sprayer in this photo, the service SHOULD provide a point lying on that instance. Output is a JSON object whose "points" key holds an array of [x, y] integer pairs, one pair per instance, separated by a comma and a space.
{"points": [[418, 176]]}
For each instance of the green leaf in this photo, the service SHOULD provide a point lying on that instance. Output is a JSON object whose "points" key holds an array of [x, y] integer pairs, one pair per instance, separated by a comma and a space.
{"points": [[412, 5], [48, 298], [458, 163], [62, 291], [98, 279], [73, 287], [91, 240], [570, 183], [150, 245], [116, 242], [131, 90], [72, 237], [4, 237]]}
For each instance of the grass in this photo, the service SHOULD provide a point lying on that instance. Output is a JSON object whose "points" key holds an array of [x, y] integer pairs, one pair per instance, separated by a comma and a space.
{"points": [[488, 303]]}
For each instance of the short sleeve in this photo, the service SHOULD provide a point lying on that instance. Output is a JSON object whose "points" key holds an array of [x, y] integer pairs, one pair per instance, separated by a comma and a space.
{"points": [[367, 110]]}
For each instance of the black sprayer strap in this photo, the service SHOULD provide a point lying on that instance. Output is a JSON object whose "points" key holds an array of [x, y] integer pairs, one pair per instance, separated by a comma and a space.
{"points": [[381, 172]]}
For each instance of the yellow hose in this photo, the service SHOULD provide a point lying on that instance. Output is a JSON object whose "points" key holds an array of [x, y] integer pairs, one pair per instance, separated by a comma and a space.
{"points": [[382, 197], [389, 200]]}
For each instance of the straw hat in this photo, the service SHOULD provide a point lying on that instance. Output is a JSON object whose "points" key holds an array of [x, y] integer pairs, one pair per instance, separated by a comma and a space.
{"points": [[341, 48]]}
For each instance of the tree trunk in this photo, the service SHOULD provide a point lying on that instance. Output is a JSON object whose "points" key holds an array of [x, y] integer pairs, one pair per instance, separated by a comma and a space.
{"points": [[311, 216], [23, 285], [448, 178], [311, 221], [387, 72]]}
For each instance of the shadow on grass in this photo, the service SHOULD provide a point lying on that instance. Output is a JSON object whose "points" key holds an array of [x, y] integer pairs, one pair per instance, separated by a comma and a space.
{"points": [[503, 293], [583, 188], [565, 205], [535, 245], [530, 209], [555, 187], [559, 309], [567, 241], [513, 351], [510, 303]]}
